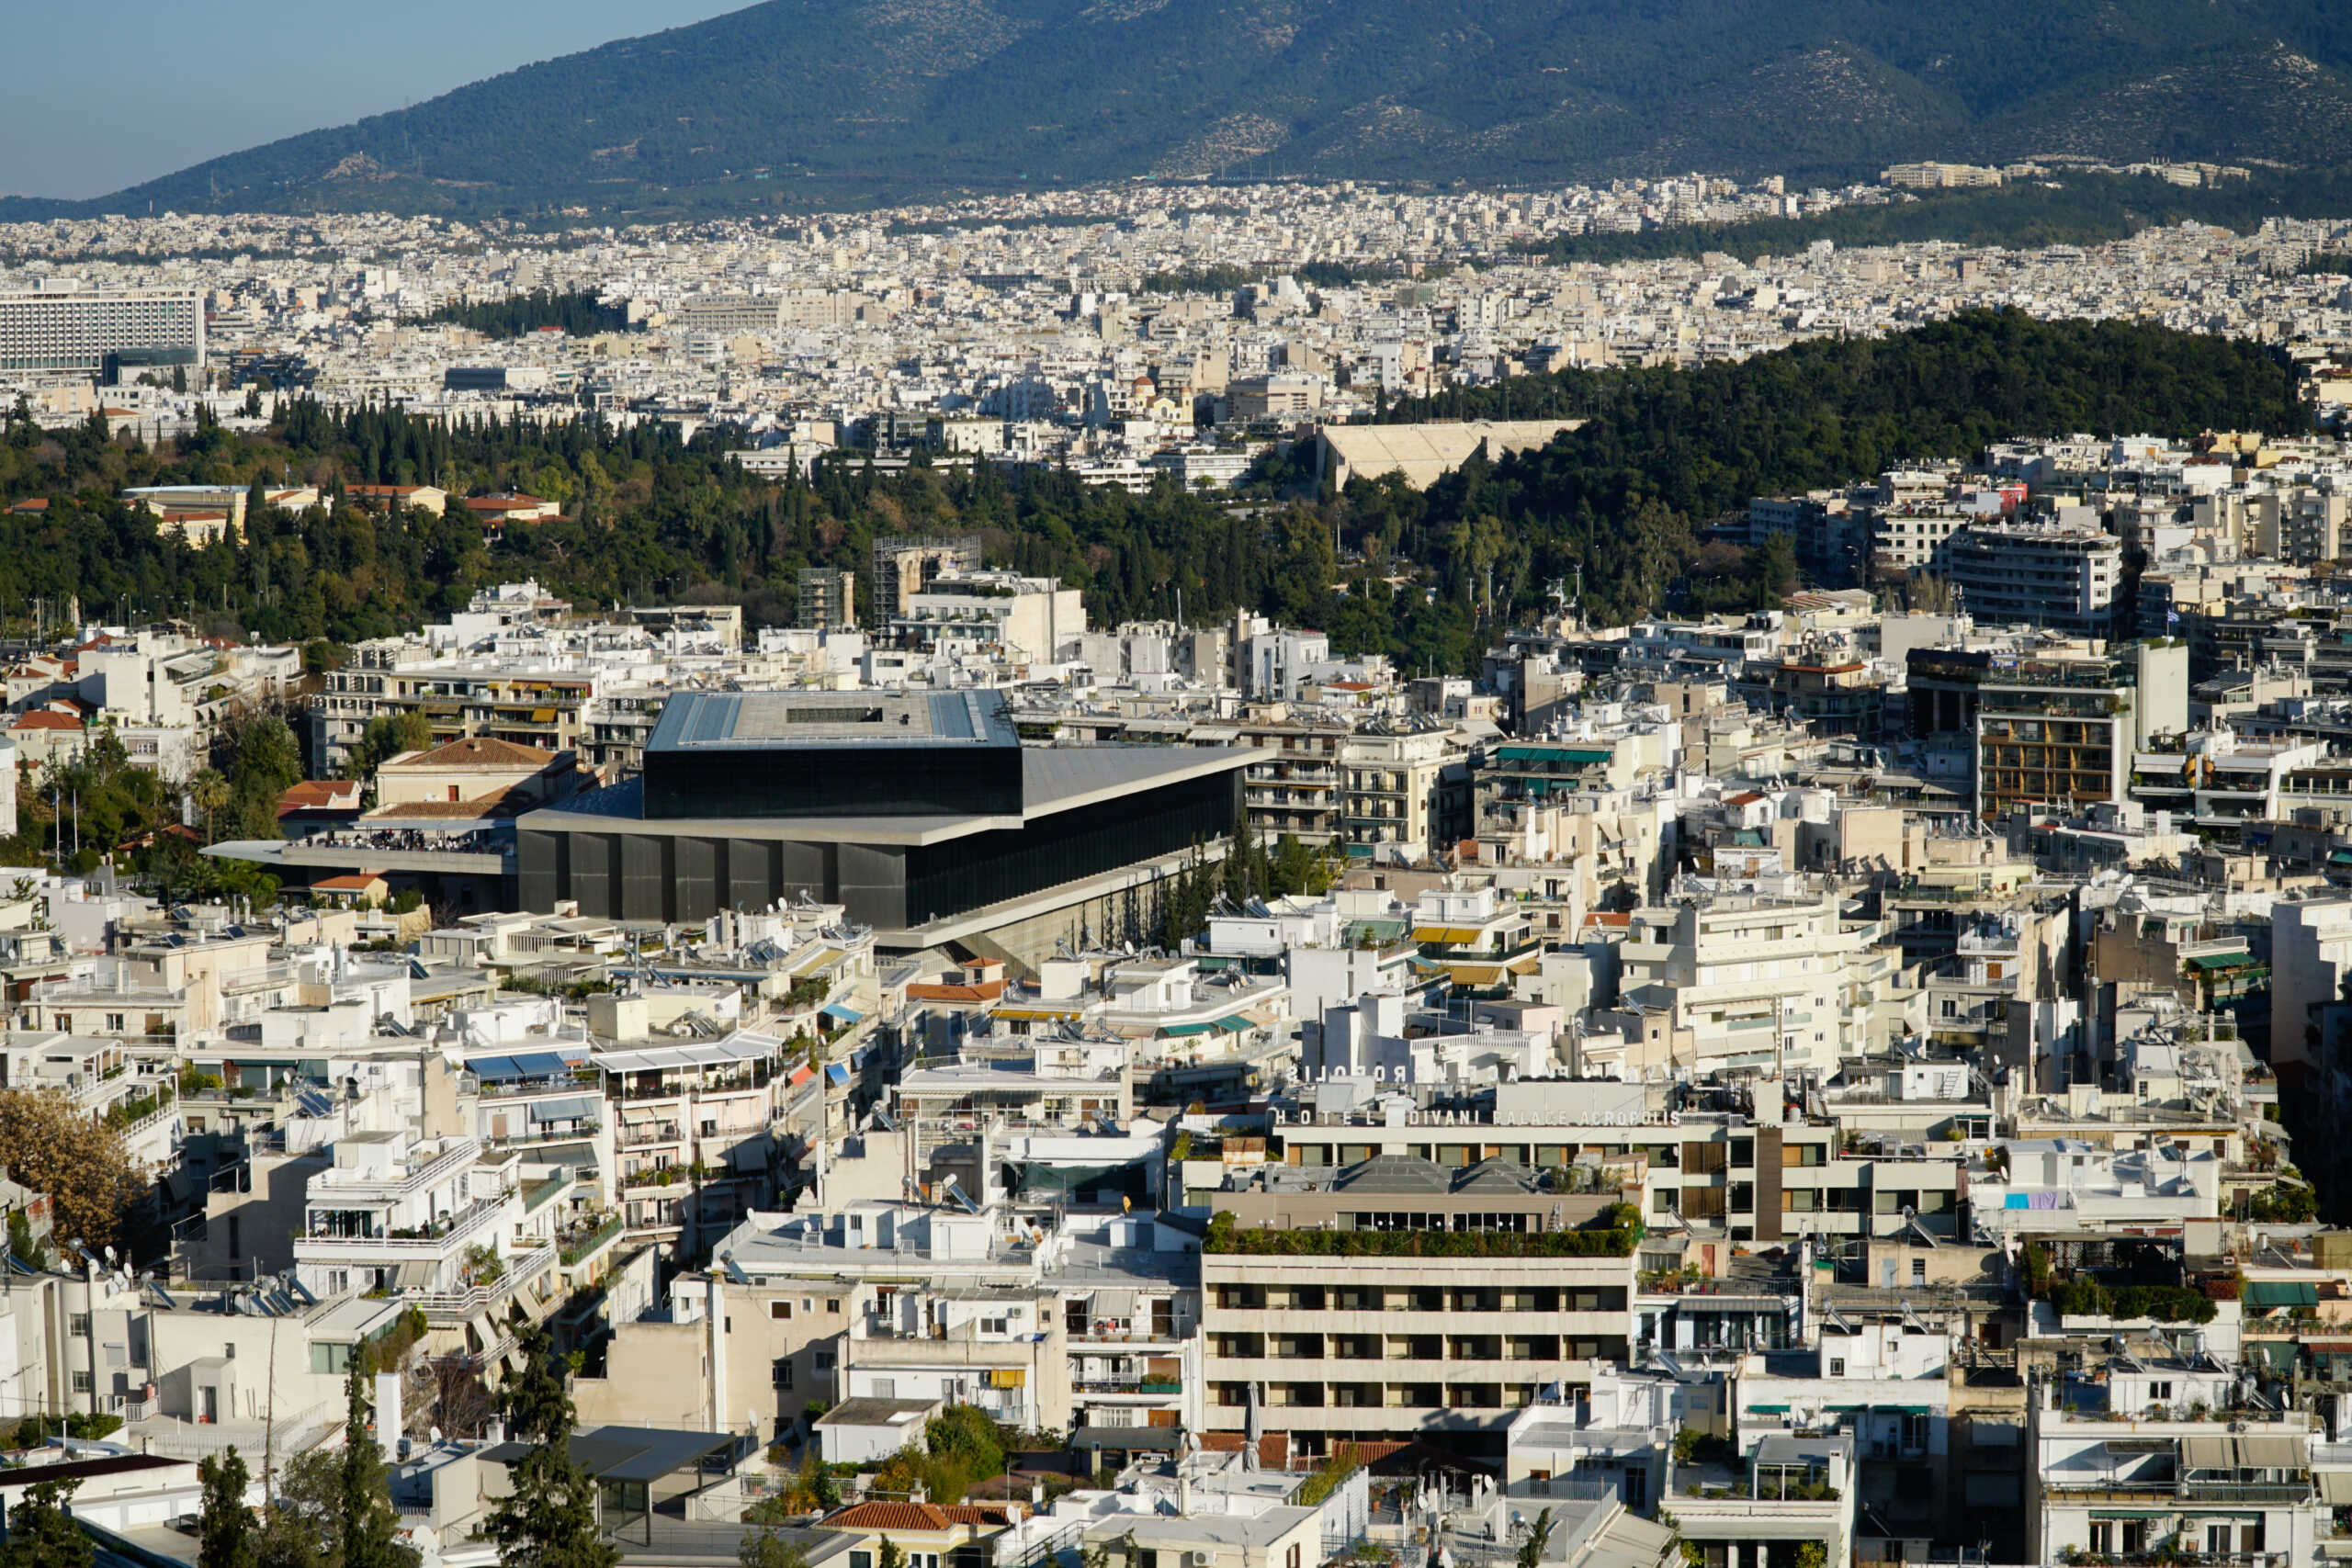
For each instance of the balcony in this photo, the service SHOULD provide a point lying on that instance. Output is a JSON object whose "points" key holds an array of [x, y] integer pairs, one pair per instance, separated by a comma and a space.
{"points": [[580, 1245], [466, 1226], [350, 1187], [1169, 1336], [451, 1309]]}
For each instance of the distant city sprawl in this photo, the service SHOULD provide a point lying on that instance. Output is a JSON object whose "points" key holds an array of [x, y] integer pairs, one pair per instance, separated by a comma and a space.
{"points": [[1310, 876]]}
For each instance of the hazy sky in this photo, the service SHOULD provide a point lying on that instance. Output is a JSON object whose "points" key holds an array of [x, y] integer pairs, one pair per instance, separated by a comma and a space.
{"points": [[104, 96]]}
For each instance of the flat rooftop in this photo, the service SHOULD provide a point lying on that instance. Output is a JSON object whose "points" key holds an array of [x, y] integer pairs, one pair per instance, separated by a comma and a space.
{"points": [[735, 721]]}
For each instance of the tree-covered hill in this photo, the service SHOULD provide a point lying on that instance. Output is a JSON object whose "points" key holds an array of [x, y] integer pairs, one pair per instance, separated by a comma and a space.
{"points": [[647, 519], [795, 102]]}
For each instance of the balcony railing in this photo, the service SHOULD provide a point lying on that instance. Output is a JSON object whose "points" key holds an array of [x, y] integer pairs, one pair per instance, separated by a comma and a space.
{"points": [[362, 1190], [576, 1249], [447, 1308], [443, 1234]]}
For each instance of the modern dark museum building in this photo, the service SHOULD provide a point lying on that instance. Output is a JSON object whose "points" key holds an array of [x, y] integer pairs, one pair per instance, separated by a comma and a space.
{"points": [[921, 812]]}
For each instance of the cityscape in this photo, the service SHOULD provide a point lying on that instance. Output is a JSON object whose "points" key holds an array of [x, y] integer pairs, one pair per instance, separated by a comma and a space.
{"points": [[1263, 864]]}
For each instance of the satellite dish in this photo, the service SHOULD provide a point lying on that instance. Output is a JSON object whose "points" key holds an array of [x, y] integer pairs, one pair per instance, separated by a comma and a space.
{"points": [[432, 1435]]}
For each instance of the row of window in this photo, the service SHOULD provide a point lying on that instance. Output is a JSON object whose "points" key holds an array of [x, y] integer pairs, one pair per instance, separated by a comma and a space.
{"points": [[1237, 1296], [1410, 1346], [1408, 1395]]}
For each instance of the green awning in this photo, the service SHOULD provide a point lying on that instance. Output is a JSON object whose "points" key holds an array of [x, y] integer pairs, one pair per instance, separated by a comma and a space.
{"points": [[1554, 755], [1235, 1025], [1187, 1028], [2221, 960], [2280, 1294], [2276, 1355], [1768, 1410]]}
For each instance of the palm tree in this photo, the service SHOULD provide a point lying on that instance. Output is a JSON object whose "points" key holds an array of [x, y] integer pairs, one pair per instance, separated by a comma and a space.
{"points": [[209, 791]]}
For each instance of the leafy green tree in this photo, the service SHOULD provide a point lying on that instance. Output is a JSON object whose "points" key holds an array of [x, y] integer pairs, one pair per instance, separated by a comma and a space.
{"points": [[225, 1533], [763, 1548], [267, 759], [21, 1242], [42, 1534], [385, 736], [549, 1520], [302, 1527]]}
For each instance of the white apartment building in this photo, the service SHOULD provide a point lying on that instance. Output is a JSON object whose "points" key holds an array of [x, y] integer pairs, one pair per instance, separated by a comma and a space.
{"points": [[1754, 979], [64, 327], [2043, 575]]}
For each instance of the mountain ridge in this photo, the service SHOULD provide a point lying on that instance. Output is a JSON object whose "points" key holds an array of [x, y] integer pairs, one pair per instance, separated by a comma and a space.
{"points": [[789, 104]]}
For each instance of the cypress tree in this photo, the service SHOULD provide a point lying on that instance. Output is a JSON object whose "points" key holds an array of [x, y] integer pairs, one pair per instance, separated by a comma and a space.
{"points": [[225, 1528], [549, 1520], [368, 1522]]}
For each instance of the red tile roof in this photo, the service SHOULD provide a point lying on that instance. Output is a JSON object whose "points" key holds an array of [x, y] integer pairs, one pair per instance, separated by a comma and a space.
{"points": [[46, 718], [932, 1517], [477, 750], [987, 992], [320, 794]]}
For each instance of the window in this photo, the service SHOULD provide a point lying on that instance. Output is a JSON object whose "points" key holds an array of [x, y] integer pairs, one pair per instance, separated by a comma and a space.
{"points": [[81, 1383], [780, 1311], [78, 1325], [784, 1372], [860, 1560], [885, 1388], [2160, 1391], [996, 1325], [2102, 1537], [1918, 1270], [1836, 1366]]}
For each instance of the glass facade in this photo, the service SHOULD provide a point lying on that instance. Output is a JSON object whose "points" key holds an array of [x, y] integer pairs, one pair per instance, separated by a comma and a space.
{"points": [[833, 781], [616, 873]]}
